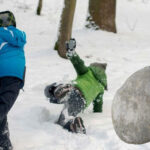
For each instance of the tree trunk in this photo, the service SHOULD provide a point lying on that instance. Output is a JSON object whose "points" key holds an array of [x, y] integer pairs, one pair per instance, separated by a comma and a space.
{"points": [[65, 29], [102, 15], [38, 11]]}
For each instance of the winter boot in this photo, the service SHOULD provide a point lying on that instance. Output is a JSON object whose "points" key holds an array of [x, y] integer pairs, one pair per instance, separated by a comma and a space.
{"points": [[5, 143], [75, 126]]}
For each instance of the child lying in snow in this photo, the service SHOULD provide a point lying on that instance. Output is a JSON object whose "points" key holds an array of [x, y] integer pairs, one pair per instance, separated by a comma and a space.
{"points": [[88, 87]]}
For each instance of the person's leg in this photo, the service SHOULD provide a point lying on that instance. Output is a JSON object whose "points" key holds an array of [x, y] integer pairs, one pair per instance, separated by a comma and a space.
{"points": [[68, 118], [98, 103], [5, 143], [55, 92], [9, 90], [78, 64]]}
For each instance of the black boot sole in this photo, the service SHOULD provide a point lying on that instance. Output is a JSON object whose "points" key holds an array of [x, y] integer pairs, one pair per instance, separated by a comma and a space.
{"points": [[77, 126]]}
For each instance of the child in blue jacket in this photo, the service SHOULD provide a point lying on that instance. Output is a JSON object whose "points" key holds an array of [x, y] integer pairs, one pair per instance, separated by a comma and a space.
{"points": [[12, 71]]}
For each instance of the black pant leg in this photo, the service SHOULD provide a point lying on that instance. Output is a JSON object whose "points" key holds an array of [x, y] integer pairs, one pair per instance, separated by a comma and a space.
{"points": [[9, 90], [74, 104]]}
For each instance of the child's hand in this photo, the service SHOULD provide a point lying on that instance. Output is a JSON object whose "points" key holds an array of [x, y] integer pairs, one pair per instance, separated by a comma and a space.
{"points": [[70, 45]]}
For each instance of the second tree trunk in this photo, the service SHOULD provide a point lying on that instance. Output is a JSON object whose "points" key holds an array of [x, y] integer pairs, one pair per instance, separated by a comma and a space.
{"points": [[102, 15]]}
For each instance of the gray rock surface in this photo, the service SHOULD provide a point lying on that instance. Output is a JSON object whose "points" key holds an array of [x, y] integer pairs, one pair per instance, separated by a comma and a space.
{"points": [[131, 108]]}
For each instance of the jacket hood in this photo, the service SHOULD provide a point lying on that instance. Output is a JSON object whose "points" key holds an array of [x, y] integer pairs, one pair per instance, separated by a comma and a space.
{"points": [[98, 70], [99, 65]]}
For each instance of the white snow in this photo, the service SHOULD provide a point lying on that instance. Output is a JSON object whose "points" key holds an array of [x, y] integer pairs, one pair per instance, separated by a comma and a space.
{"points": [[32, 119]]}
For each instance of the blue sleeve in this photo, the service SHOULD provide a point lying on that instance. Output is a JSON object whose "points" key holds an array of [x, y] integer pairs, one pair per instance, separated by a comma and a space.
{"points": [[13, 36]]}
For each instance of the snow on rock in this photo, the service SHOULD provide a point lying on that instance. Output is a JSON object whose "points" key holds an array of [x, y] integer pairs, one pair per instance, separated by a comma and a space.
{"points": [[131, 108]]}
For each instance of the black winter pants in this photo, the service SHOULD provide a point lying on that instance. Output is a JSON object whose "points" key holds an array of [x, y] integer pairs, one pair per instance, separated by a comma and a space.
{"points": [[9, 90], [74, 103]]}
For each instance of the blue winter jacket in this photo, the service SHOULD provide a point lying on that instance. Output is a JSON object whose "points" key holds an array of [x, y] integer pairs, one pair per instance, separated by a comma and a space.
{"points": [[12, 59]]}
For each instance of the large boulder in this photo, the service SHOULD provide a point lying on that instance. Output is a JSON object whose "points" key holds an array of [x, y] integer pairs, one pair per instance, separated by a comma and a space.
{"points": [[131, 108]]}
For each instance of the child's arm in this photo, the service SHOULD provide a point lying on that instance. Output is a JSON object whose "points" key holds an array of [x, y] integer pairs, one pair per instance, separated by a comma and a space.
{"points": [[13, 36], [98, 103], [77, 62]]}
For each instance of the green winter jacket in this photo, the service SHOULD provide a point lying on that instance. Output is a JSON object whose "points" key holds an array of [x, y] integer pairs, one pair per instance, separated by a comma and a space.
{"points": [[88, 77], [85, 82]]}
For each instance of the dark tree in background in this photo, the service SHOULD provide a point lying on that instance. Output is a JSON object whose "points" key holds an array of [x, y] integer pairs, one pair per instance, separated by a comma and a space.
{"points": [[65, 29], [39, 8], [102, 15]]}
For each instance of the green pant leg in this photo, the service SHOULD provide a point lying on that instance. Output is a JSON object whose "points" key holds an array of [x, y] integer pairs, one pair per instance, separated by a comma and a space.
{"points": [[78, 64], [98, 103]]}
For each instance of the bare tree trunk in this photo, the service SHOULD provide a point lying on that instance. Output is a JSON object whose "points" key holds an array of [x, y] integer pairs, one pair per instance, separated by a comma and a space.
{"points": [[102, 15], [39, 8], [65, 29]]}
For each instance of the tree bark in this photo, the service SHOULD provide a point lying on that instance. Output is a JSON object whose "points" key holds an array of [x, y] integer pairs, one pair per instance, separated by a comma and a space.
{"points": [[102, 15], [39, 8], [65, 29]]}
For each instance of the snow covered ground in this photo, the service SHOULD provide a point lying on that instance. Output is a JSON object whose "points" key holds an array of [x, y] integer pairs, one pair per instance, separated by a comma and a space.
{"points": [[32, 118]]}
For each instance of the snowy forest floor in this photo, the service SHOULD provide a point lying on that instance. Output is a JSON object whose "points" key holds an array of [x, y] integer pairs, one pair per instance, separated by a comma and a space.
{"points": [[32, 119]]}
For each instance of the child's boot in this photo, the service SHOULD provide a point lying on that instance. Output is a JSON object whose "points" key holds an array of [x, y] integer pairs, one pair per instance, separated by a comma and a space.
{"points": [[75, 125]]}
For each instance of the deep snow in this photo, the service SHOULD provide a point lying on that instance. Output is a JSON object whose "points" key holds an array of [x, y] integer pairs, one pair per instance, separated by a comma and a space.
{"points": [[32, 118]]}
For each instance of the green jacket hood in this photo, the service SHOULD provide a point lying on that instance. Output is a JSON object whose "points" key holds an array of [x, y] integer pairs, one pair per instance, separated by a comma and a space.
{"points": [[99, 73]]}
